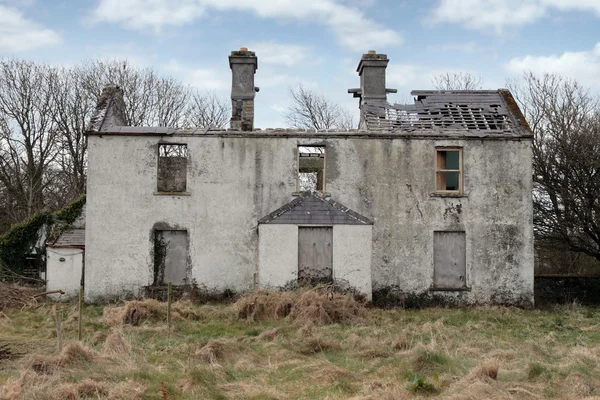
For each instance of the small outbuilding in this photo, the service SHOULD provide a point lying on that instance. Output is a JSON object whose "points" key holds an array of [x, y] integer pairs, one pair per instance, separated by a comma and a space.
{"points": [[64, 262]]}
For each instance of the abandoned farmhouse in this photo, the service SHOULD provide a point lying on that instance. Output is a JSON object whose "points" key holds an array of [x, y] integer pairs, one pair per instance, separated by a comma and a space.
{"points": [[429, 199]]}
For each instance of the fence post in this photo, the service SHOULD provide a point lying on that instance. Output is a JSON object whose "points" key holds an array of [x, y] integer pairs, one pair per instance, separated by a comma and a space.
{"points": [[80, 319], [59, 329], [169, 300]]}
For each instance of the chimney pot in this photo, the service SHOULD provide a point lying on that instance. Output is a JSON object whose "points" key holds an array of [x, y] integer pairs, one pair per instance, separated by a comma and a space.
{"points": [[243, 49], [372, 52]]}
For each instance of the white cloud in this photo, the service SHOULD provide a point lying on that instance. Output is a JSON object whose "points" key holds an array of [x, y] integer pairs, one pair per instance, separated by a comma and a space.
{"points": [[279, 53], [202, 78], [351, 27], [584, 66], [467, 47], [19, 34], [501, 14]]}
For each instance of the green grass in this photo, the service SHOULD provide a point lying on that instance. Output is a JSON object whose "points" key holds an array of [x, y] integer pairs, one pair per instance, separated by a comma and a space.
{"points": [[391, 354]]}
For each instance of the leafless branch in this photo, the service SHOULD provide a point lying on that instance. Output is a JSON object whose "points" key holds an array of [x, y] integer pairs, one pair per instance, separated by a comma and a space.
{"points": [[310, 109]]}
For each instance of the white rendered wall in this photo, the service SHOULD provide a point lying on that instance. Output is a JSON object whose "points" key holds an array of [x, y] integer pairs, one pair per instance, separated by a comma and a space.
{"points": [[277, 255], [235, 181], [352, 257], [63, 275]]}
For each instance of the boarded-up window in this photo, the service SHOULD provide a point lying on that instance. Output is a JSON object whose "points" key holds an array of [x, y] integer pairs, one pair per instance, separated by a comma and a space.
{"points": [[172, 168], [448, 170], [449, 260], [315, 255], [170, 257], [311, 168]]}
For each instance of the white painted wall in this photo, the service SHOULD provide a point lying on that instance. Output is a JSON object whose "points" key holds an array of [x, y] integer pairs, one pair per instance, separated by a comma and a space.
{"points": [[277, 255], [352, 256], [234, 181], [63, 275]]}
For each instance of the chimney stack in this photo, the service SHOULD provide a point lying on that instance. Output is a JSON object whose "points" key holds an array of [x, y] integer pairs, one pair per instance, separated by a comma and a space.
{"points": [[243, 64], [110, 110], [371, 70]]}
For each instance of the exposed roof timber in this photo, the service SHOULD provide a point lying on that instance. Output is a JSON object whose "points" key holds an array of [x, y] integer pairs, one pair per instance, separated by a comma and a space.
{"points": [[488, 112]]}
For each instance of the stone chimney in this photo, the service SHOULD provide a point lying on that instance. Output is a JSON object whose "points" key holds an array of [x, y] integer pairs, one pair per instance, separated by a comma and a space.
{"points": [[371, 70], [110, 110], [243, 64]]}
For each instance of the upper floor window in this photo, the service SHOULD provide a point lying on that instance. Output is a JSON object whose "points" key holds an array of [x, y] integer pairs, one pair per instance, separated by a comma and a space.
{"points": [[311, 168], [172, 168], [448, 170]]}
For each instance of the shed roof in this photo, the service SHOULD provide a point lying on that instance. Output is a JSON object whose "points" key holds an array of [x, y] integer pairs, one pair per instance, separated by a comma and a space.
{"points": [[70, 238], [314, 208]]}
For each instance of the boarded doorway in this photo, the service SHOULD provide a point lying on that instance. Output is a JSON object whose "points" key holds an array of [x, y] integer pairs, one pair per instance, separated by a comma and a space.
{"points": [[449, 260], [315, 255], [170, 257]]}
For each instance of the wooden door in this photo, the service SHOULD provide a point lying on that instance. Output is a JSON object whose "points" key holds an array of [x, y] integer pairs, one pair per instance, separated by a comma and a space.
{"points": [[315, 255], [449, 266]]}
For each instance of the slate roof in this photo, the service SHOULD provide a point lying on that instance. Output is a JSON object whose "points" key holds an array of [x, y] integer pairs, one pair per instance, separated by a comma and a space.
{"points": [[314, 208], [70, 238], [481, 113]]}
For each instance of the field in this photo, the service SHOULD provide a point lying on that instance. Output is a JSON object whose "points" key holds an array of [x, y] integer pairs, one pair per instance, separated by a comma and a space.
{"points": [[306, 345]]}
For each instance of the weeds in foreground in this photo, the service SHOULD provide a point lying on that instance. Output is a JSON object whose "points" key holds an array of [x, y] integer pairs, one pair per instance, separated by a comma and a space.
{"points": [[419, 384], [216, 352]]}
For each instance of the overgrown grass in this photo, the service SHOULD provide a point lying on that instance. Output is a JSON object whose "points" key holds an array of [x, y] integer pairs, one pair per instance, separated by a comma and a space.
{"points": [[219, 352]]}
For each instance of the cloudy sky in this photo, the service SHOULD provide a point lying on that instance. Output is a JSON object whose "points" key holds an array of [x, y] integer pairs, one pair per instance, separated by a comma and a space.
{"points": [[314, 42]]}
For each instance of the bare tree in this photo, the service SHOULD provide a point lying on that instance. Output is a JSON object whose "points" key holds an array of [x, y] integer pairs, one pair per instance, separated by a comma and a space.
{"points": [[310, 109], [150, 99], [73, 107], [565, 120], [208, 110], [28, 135], [43, 114], [457, 81]]}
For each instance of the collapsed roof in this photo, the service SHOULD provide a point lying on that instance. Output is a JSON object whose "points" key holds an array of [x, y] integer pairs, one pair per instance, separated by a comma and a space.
{"points": [[480, 113]]}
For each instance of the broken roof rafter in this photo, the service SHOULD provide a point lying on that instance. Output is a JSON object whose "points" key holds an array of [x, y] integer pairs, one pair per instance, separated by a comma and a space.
{"points": [[485, 111]]}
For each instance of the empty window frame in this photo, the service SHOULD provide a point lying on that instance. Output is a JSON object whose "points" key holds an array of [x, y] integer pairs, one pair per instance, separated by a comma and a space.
{"points": [[172, 168], [311, 168], [448, 170], [449, 260]]}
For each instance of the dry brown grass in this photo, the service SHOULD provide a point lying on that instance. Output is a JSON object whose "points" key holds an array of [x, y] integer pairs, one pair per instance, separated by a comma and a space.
{"points": [[211, 352], [325, 307], [136, 312], [318, 306], [269, 334], [264, 305], [317, 344], [487, 353], [85, 389], [116, 345], [73, 353]]}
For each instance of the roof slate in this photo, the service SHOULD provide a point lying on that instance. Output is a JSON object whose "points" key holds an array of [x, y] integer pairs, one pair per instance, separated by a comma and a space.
{"points": [[314, 208], [70, 238], [482, 113]]}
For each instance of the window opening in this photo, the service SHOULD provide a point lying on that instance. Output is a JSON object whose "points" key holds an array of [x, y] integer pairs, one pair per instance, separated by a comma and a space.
{"points": [[448, 170], [311, 168], [172, 168]]}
